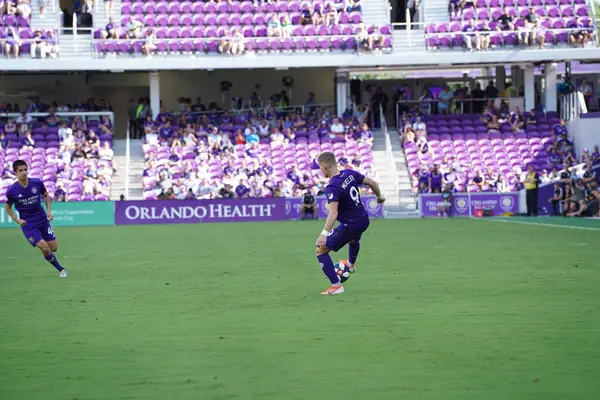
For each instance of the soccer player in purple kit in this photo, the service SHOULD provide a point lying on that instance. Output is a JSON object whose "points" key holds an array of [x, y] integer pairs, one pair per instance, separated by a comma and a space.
{"points": [[26, 194], [344, 205]]}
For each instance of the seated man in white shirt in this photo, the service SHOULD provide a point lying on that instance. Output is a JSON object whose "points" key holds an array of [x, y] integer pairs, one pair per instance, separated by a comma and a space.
{"points": [[134, 29], [337, 128]]}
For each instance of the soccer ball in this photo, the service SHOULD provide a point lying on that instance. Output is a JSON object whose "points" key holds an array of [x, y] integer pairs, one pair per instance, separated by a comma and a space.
{"points": [[342, 271]]}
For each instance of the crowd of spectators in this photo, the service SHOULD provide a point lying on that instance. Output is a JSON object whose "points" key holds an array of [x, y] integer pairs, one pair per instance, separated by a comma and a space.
{"points": [[555, 151], [526, 24], [223, 154], [73, 155]]}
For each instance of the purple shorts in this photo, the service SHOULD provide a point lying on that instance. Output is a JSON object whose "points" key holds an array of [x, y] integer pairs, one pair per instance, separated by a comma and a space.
{"points": [[37, 232], [342, 235]]}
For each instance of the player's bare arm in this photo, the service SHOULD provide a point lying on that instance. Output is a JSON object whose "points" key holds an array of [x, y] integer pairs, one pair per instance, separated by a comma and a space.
{"points": [[48, 201], [329, 222], [11, 214], [375, 188]]}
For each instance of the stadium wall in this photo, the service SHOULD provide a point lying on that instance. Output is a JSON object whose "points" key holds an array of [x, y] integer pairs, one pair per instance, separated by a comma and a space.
{"points": [[466, 204], [584, 132], [183, 211], [64, 88]]}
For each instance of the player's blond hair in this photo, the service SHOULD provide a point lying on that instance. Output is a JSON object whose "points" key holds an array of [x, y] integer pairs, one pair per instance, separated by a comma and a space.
{"points": [[326, 158]]}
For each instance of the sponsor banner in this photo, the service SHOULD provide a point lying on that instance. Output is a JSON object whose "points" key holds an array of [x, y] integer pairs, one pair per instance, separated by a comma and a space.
{"points": [[83, 213], [293, 206], [500, 203], [198, 211]]}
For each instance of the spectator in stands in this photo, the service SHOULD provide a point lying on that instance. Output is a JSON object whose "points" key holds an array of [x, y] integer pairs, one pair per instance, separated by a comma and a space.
{"points": [[580, 36], [286, 27], [59, 194], [274, 27], [84, 18], [306, 15], [362, 39], [337, 128], [595, 157], [484, 34], [470, 37], [12, 43], [110, 31], [587, 91], [23, 9], [27, 142], [149, 45], [376, 38], [331, 15], [526, 33], [354, 5], [455, 7], [589, 175], [445, 98], [435, 180], [134, 29], [505, 21], [309, 206], [491, 91]]}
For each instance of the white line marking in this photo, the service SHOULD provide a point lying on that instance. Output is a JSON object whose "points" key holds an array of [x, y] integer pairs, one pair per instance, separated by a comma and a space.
{"points": [[586, 228]]}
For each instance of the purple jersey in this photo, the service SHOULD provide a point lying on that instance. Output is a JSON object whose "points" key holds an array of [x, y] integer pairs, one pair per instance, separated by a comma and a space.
{"points": [[343, 188], [28, 201]]}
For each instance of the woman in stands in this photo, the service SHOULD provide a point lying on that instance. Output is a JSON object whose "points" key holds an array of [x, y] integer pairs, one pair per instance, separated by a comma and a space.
{"points": [[12, 43], [435, 180]]}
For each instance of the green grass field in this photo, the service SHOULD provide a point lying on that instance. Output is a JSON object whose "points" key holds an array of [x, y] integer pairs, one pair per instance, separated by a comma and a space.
{"points": [[439, 309]]}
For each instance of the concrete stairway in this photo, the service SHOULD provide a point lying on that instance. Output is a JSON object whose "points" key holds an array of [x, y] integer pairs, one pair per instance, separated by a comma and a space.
{"points": [[376, 12], [409, 40], [136, 168], [100, 16], [394, 180], [76, 46], [436, 10], [51, 15]]}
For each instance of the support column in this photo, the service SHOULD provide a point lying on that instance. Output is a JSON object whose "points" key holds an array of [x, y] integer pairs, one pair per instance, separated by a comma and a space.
{"points": [[517, 77], [500, 78], [342, 92], [154, 93], [529, 85], [550, 87]]}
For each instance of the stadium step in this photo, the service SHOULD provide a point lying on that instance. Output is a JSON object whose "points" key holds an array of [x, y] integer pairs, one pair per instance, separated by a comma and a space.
{"points": [[436, 11], [414, 38], [100, 18], [376, 12], [51, 18], [72, 46]]}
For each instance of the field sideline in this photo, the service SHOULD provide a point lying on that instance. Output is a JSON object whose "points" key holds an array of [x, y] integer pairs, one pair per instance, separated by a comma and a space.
{"points": [[439, 309]]}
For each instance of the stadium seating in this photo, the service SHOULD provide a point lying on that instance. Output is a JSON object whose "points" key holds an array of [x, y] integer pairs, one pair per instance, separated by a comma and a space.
{"points": [[465, 137], [46, 163], [300, 153], [186, 27], [556, 17]]}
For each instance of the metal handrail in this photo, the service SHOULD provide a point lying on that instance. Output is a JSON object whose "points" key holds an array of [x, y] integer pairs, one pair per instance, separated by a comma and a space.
{"points": [[66, 114]]}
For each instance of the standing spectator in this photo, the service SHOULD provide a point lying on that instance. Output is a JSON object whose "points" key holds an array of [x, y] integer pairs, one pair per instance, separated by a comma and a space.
{"points": [[413, 6], [354, 5], [531, 191], [445, 100], [435, 180], [586, 91], [108, 7]]}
